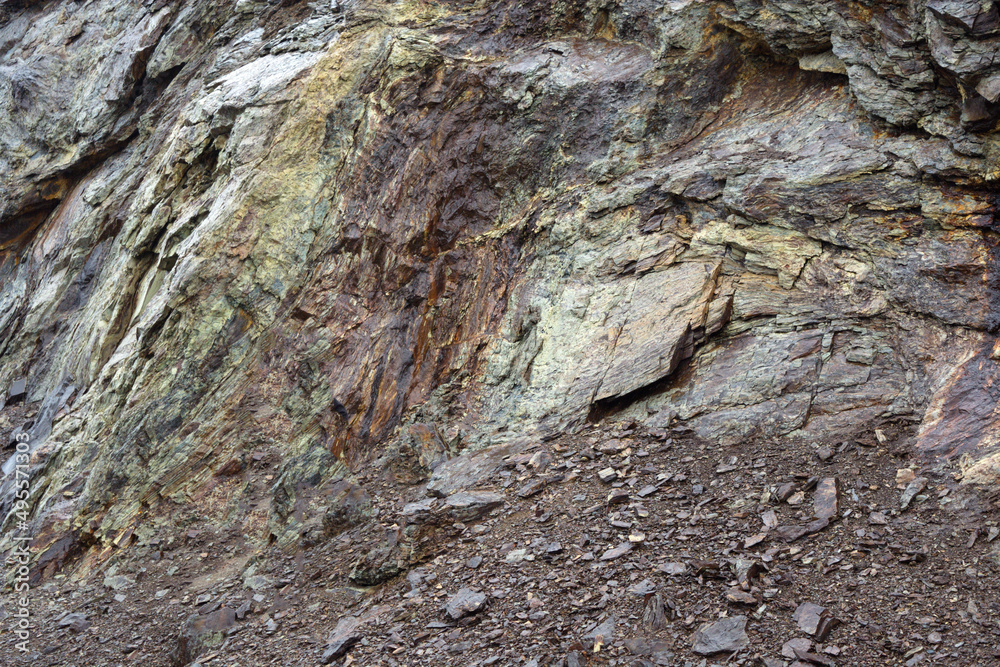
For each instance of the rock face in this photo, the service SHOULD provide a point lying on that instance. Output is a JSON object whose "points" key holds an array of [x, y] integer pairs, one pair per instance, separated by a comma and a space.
{"points": [[317, 236]]}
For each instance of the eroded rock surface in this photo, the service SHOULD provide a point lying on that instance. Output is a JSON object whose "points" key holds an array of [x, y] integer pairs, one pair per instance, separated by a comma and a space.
{"points": [[249, 249]]}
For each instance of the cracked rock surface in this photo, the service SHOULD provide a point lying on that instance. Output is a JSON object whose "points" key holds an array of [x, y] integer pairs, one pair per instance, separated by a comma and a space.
{"points": [[255, 255]]}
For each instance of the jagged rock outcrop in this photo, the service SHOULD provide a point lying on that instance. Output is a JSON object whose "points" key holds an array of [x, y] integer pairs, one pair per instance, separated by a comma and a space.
{"points": [[225, 226]]}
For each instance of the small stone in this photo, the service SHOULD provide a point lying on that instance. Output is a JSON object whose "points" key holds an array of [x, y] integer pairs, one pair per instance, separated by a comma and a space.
{"points": [[532, 488], [17, 390], [647, 490], [814, 620], [784, 491], [465, 603], [754, 540], [912, 489], [474, 562], [673, 568], [617, 552], [516, 555], [824, 453], [770, 519], [796, 498], [878, 519], [727, 634], [607, 475], [76, 622], [826, 500], [739, 596], [903, 477], [617, 497], [934, 638], [472, 505], [800, 643], [792, 533], [341, 639]]}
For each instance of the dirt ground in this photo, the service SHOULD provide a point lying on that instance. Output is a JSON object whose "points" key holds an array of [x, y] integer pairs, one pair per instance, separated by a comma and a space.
{"points": [[709, 535]]}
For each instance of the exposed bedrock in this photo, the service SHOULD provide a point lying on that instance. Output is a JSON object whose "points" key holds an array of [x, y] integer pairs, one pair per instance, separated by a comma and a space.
{"points": [[322, 236]]}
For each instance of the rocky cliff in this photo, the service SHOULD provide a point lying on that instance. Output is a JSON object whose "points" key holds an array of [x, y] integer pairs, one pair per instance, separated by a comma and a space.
{"points": [[249, 250]]}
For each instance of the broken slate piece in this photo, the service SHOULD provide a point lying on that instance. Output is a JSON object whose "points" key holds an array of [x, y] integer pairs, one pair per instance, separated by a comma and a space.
{"points": [[617, 552], [792, 533], [789, 648], [472, 505], [826, 500], [784, 491], [532, 488], [600, 632], [912, 489], [617, 497], [814, 620], [465, 603], [727, 634], [607, 475], [341, 639]]}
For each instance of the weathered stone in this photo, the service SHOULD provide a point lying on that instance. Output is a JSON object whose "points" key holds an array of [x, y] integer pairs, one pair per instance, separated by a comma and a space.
{"points": [[472, 505], [727, 634], [465, 603], [826, 499], [341, 639], [201, 634]]}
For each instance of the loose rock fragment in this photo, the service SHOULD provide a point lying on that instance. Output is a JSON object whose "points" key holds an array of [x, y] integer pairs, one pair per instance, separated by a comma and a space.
{"points": [[912, 489], [617, 497], [607, 475], [600, 633], [792, 533], [654, 614], [727, 634], [739, 596], [617, 552], [76, 622], [789, 648], [815, 620], [826, 500], [532, 488], [465, 603], [341, 639]]}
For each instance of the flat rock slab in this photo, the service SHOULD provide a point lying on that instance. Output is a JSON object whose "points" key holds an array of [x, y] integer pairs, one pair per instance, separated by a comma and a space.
{"points": [[603, 632], [727, 634], [340, 641], [815, 620], [465, 603], [471, 505], [826, 501], [617, 552]]}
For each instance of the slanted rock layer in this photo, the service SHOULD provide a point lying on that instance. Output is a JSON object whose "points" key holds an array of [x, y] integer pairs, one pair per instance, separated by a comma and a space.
{"points": [[331, 235]]}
